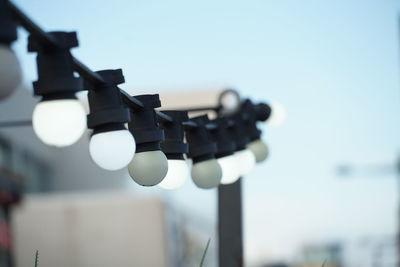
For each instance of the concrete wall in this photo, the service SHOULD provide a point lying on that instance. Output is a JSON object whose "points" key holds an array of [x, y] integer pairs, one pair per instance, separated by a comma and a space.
{"points": [[112, 229], [91, 230]]}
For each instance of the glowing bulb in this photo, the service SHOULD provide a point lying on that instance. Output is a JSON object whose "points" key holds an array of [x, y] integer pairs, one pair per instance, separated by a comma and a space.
{"points": [[207, 174], [230, 170], [278, 114], [59, 122], [259, 149], [10, 71], [112, 150], [178, 172], [230, 101], [245, 160], [148, 168]]}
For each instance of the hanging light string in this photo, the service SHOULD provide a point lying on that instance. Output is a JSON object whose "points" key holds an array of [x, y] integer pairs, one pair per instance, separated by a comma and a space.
{"points": [[84, 71], [231, 141]]}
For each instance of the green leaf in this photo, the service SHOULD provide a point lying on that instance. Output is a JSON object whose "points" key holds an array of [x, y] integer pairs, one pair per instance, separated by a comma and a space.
{"points": [[205, 253]]}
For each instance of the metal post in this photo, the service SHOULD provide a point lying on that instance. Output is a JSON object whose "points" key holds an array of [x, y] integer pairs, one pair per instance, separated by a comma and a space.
{"points": [[397, 243], [230, 232]]}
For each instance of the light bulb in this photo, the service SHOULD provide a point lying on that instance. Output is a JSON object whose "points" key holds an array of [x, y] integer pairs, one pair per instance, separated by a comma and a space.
{"points": [[230, 169], [10, 71], [59, 122], [278, 114], [245, 160], [259, 149], [229, 101], [207, 174], [112, 150], [178, 172], [148, 168]]}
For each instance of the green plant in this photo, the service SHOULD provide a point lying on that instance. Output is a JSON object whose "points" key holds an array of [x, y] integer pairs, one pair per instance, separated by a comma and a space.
{"points": [[36, 258], [205, 253]]}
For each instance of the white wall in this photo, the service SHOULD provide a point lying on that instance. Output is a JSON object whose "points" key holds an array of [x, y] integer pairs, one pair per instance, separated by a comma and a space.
{"points": [[91, 230]]}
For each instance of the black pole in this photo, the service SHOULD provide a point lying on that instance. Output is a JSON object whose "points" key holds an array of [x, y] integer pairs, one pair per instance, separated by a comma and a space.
{"points": [[9, 254], [397, 243], [230, 232]]}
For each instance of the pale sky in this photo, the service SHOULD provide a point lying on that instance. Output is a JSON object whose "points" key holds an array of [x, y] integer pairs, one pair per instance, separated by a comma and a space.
{"points": [[334, 65]]}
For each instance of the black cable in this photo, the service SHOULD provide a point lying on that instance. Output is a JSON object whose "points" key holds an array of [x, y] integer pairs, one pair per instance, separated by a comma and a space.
{"points": [[21, 123]]}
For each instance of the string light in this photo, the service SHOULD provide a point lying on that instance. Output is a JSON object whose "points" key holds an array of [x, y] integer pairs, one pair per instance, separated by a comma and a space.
{"points": [[111, 145], [221, 150], [174, 148], [10, 70], [150, 165], [206, 171], [225, 151], [252, 114], [58, 119], [245, 159]]}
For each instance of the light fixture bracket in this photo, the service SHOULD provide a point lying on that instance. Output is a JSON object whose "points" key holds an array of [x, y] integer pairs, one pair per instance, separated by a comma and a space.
{"points": [[220, 135], [201, 147], [237, 132], [144, 125], [174, 146], [55, 66], [107, 110]]}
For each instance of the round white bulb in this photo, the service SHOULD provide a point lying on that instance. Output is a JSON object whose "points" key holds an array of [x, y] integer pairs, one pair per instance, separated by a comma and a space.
{"points": [[207, 174], [10, 71], [178, 172], [230, 169], [230, 101], [59, 122], [245, 160], [148, 168], [259, 149], [112, 150], [278, 114]]}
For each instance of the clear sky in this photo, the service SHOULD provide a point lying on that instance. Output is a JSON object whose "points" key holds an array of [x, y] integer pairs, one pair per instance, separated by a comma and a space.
{"points": [[334, 65]]}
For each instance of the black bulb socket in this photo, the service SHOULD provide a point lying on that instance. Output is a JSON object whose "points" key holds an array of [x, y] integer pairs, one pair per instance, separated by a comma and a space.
{"points": [[107, 110], [236, 130], [144, 125], [220, 135], [262, 111], [201, 146], [248, 109], [55, 67], [174, 146]]}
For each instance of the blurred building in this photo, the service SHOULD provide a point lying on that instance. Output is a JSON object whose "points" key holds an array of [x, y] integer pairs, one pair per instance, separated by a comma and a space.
{"points": [[115, 229], [374, 251], [330, 254], [276, 265]]}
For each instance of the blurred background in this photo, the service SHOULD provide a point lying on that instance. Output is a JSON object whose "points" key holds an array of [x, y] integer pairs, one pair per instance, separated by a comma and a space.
{"points": [[330, 189]]}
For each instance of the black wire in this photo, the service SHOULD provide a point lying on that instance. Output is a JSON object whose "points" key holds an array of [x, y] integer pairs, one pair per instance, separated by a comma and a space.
{"points": [[22, 123], [31, 26]]}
